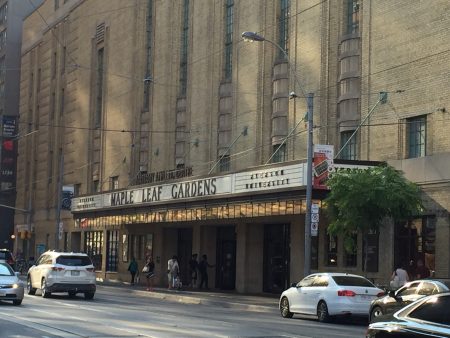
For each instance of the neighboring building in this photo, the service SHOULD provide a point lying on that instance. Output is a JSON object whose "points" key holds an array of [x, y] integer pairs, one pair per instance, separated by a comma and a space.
{"points": [[11, 16], [161, 119]]}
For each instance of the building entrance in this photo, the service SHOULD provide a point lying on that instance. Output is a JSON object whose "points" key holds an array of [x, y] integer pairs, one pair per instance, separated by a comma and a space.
{"points": [[226, 258], [276, 257], [184, 253]]}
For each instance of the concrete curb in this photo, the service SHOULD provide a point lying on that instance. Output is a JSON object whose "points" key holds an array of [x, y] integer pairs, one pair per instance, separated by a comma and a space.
{"points": [[201, 299]]}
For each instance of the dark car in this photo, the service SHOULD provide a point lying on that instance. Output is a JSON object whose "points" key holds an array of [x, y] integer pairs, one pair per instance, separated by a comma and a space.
{"points": [[7, 257], [407, 294], [427, 317]]}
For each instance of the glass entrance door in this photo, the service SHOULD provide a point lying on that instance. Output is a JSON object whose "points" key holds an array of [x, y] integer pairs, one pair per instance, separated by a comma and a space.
{"points": [[276, 257], [226, 258]]}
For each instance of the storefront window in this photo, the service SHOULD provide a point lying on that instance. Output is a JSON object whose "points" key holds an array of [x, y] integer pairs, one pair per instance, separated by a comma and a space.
{"points": [[331, 250], [351, 257], [370, 261], [149, 245], [112, 258], [137, 245], [415, 240], [93, 244]]}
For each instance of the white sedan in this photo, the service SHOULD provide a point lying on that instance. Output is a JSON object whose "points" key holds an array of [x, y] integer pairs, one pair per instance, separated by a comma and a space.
{"points": [[329, 294]]}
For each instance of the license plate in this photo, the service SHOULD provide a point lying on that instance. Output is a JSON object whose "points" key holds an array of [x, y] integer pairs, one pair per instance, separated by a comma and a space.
{"points": [[366, 297], [75, 273]]}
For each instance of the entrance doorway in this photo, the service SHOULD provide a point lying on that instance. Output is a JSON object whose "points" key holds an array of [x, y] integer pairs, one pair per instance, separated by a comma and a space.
{"points": [[226, 258], [184, 253], [276, 257]]}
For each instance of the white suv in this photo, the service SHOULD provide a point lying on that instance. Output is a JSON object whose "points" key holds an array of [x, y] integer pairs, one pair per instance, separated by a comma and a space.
{"points": [[62, 272]]}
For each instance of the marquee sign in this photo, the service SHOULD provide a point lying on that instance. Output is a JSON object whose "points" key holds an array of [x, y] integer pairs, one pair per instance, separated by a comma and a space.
{"points": [[249, 181]]}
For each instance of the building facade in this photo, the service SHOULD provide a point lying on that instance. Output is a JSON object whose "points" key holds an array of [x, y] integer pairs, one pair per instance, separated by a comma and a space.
{"points": [[176, 136], [11, 15]]}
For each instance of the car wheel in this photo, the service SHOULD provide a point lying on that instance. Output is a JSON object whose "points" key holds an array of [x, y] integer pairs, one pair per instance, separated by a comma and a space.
{"points": [[72, 294], [376, 312], [322, 312], [89, 295], [284, 308], [17, 301], [30, 289], [44, 292]]}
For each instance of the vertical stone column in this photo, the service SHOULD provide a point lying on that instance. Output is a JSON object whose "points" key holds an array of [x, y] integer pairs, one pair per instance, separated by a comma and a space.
{"points": [[442, 245], [242, 230], [297, 248]]}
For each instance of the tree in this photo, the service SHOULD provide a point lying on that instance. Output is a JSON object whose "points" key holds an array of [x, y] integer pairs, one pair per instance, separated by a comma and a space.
{"points": [[360, 199]]}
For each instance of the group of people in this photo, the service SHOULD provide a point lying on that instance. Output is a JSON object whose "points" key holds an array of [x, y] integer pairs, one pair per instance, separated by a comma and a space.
{"points": [[148, 271], [402, 275], [196, 267], [173, 272]]}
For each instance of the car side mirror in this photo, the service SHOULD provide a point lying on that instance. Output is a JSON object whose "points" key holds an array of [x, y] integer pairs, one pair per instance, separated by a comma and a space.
{"points": [[17, 273], [293, 285]]}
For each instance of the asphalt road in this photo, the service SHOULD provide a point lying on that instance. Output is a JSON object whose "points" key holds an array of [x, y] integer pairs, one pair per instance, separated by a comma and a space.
{"points": [[118, 312]]}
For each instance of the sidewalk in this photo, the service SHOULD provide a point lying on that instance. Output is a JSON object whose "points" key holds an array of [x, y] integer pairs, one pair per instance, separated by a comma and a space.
{"points": [[257, 303]]}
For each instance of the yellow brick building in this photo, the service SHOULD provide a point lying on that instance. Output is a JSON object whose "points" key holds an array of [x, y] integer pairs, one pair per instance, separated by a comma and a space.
{"points": [[163, 121]]}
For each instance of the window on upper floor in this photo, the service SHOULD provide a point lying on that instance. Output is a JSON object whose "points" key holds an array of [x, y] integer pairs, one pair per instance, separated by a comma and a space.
{"points": [[114, 183], [281, 153], [56, 4], [283, 27], [2, 39], [96, 186], [416, 136], [99, 87], [228, 50], [352, 17], [349, 151], [224, 163], [184, 49]]}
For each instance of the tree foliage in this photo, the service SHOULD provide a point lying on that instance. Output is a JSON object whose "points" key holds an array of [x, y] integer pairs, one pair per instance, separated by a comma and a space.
{"points": [[359, 200]]}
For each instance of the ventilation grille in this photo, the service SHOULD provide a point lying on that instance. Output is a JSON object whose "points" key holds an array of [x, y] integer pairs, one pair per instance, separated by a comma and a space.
{"points": [[100, 33]]}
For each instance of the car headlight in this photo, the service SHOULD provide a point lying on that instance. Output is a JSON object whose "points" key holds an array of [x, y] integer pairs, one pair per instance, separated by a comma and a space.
{"points": [[15, 286]]}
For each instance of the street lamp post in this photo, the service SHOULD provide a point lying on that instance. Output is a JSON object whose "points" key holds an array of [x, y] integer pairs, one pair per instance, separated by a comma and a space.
{"points": [[252, 36]]}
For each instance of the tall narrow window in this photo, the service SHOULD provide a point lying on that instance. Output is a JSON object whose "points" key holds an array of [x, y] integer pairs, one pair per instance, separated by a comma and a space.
{"points": [[184, 49], [224, 164], [63, 60], [349, 152], [112, 249], [281, 153], [352, 16], [417, 128], [99, 96], [228, 39], [114, 183], [351, 256], [149, 32], [54, 63], [3, 13], [62, 103], [93, 244], [283, 27], [96, 186], [2, 39]]}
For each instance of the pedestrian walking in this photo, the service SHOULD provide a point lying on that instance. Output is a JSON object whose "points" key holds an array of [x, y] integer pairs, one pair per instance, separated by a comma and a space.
{"points": [[203, 269], [193, 267], [172, 271], [399, 277], [150, 274], [133, 268]]}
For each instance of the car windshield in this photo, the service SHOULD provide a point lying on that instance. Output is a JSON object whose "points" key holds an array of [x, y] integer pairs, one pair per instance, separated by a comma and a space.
{"points": [[5, 270], [352, 281], [74, 260]]}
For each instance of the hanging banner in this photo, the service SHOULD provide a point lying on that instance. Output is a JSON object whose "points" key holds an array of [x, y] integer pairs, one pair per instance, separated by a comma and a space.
{"points": [[322, 164]]}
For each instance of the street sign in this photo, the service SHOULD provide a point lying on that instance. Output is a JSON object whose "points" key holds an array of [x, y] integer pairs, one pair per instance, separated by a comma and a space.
{"points": [[314, 228], [314, 208], [315, 218]]}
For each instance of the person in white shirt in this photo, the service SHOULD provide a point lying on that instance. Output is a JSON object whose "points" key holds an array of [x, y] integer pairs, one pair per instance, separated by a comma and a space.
{"points": [[172, 271], [399, 277]]}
